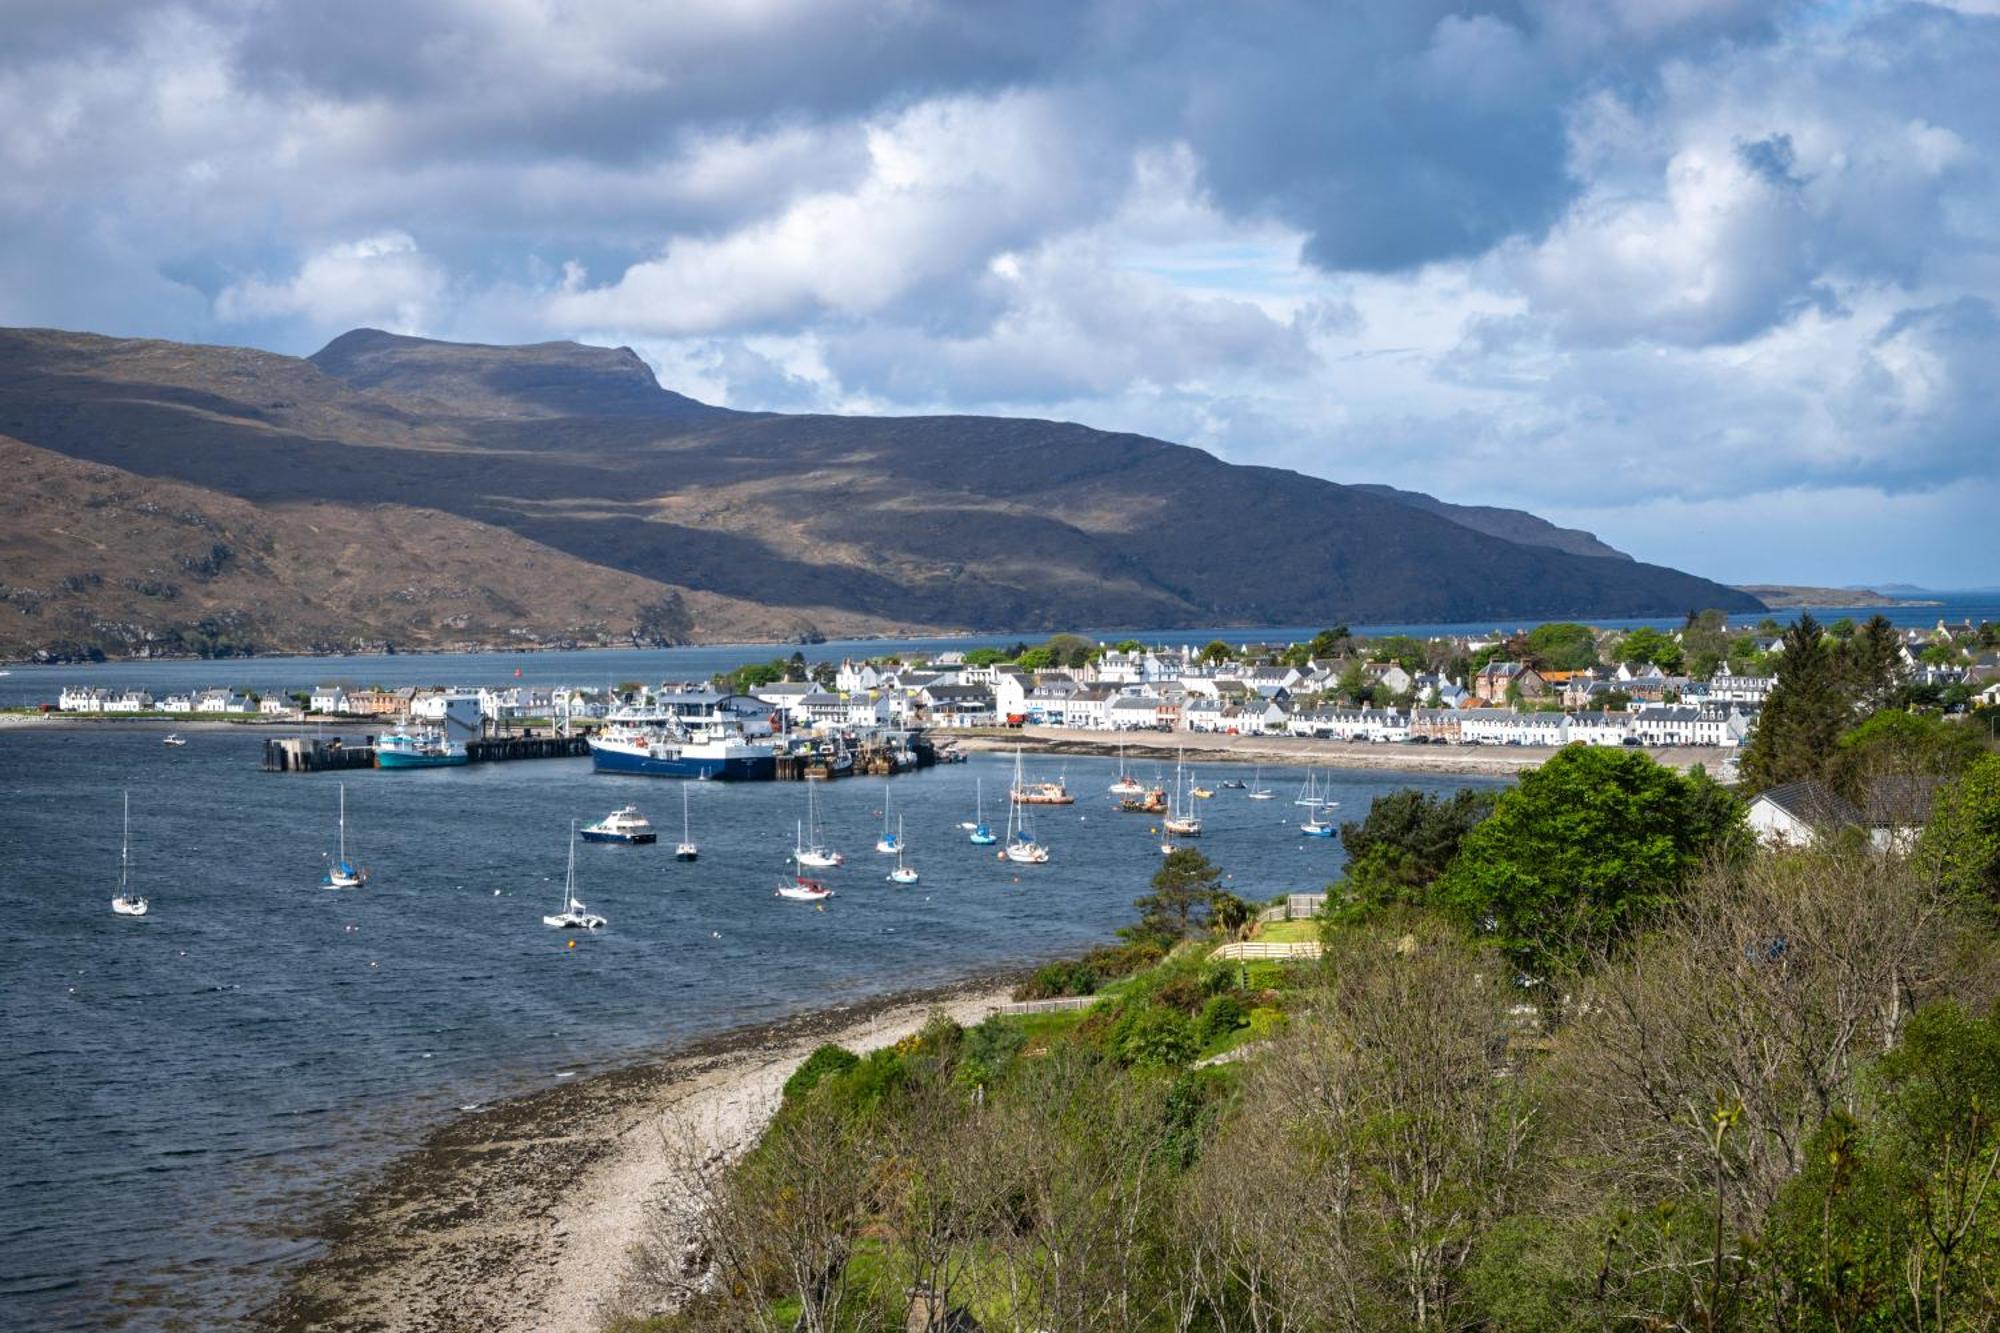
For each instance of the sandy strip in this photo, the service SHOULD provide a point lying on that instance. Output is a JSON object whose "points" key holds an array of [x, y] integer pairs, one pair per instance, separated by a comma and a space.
{"points": [[1500, 761], [524, 1218]]}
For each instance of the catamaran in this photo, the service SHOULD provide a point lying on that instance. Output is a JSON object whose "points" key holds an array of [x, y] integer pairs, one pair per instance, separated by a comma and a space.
{"points": [[982, 836], [127, 903], [1022, 849], [903, 873], [1127, 785], [574, 915], [815, 853], [344, 874], [889, 843], [686, 851]]}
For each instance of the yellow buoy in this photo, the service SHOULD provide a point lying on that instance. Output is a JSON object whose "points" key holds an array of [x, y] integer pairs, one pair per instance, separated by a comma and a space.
{"points": [[572, 944]]}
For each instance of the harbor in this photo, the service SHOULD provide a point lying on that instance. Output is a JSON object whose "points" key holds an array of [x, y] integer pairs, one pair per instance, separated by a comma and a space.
{"points": [[872, 755]]}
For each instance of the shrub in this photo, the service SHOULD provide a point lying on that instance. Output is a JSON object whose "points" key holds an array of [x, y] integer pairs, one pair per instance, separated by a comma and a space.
{"points": [[1222, 1015], [822, 1063], [1155, 1038]]}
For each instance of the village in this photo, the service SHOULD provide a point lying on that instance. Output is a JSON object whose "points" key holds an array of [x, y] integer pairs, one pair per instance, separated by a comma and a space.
{"points": [[1440, 691]]}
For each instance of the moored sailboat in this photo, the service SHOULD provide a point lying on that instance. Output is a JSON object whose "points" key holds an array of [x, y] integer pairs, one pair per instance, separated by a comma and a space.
{"points": [[343, 874], [127, 903], [904, 873], [1022, 849], [982, 836], [574, 915], [686, 850], [815, 853]]}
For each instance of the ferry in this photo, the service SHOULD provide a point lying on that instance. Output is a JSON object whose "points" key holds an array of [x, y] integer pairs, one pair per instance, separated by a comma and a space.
{"points": [[424, 748], [624, 825], [713, 751]]}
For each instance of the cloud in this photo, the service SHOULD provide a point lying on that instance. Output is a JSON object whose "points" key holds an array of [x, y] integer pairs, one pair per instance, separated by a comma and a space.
{"points": [[1650, 260], [384, 281]]}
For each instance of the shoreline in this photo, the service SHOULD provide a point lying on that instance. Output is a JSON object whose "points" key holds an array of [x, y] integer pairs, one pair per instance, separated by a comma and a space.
{"points": [[531, 1214], [1477, 760]]}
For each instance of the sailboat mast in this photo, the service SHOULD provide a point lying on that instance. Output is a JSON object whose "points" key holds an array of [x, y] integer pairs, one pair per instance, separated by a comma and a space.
{"points": [[684, 813], [343, 824], [125, 846], [569, 875]]}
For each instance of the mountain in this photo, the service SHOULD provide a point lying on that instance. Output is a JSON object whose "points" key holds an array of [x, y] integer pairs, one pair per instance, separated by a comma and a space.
{"points": [[98, 560], [1514, 525], [575, 457]]}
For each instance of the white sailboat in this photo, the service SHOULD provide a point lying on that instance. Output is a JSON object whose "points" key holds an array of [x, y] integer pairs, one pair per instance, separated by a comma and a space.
{"points": [[343, 874], [1257, 792], [982, 836], [889, 843], [127, 903], [1181, 820], [1309, 794], [815, 854], [903, 873], [1127, 785], [687, 851], [1022, 849], [574, 915]]}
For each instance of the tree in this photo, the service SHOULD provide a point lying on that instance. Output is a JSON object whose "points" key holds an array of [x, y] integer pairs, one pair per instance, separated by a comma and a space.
{"points": [[1354, 687], [1563, 646], [1896, 744], [1646, 644], [1406, 841], [1805, 715], [1583, 848], [1961, 844], [1874, 660], [1185, 885], [1069, 650], [1217, 651], [1036, 659]]}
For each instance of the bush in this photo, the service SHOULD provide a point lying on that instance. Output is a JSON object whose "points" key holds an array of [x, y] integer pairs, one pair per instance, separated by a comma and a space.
{"points": [[1154, 1038], [1075, 976], [1222, 1015], [822, 1063], [1266, 1022]]}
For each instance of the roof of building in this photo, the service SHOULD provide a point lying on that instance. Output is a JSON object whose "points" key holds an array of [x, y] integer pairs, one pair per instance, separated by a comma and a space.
{"points": [[1813, 804]]}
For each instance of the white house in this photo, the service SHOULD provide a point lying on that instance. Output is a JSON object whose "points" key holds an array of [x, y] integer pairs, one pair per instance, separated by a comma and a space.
{"points": [[274, 704], [1798, 814], [328, 699], [129, 701]]}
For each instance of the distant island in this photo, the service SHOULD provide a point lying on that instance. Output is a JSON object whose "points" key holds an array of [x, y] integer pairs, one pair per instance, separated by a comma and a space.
{"points": [[1792, 596]]}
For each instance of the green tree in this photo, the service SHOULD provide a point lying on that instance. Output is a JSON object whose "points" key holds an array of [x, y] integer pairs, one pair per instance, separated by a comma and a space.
{"points": [[1406, 652], [1874, 662], [1579, 851], [1805, 715], [1217, 651], [1646, 644], [1406, 841], [1036, 659], [1961, 844], [1184, 886], [1897, 744], [1069, 650], [1563, 646]]}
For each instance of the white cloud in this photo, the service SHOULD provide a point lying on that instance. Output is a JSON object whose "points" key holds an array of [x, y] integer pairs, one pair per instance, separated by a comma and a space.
{"points": [[382, 280]]}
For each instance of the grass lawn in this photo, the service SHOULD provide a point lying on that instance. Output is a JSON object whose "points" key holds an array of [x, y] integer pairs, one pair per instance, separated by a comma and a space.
{"points": [[1286, 932]]}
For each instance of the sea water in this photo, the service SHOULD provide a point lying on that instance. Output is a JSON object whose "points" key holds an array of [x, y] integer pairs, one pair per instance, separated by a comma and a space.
{"points": [[187, 1094]]}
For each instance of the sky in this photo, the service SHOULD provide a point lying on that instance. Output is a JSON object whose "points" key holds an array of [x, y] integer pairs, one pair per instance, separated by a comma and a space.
{"points": [[1718, 281]]}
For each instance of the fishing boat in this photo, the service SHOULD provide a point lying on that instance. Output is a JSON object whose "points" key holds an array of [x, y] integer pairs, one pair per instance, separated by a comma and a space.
{"points": [[891, 841], [815, 854], [1200, 793], [127, 903], [426, 747], [659, 748], [574, 915], [903, 873], [625, 825], [685, 850], [982, 836], [1154, 802], [1127, 785], [343, 874], [1024, 792], [1257, 791], [1022, 849], [802, 890], [172, 738]]}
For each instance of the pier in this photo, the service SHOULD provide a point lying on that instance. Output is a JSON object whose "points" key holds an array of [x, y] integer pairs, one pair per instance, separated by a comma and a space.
{"points": [[300, 754]]}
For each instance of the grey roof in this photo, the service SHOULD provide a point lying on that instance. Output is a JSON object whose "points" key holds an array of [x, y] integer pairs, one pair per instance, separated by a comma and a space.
{"points": [[1814, 804]]}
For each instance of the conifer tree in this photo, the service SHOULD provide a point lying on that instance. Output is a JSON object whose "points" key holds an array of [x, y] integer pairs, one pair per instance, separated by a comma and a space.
{"points": [[1806, 713]]}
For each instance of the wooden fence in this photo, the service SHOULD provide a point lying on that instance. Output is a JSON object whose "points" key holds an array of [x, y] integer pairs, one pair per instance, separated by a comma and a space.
{"points": [[1063, 1005], [1250, 951]]}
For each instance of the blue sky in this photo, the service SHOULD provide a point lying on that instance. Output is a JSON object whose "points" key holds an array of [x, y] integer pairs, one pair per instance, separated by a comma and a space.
{"points": [[1715, 280]]}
